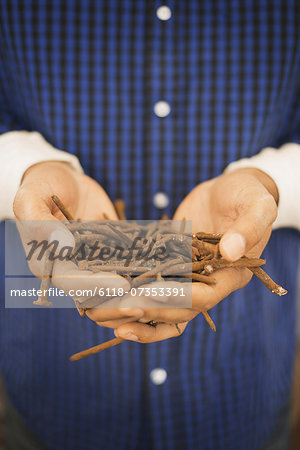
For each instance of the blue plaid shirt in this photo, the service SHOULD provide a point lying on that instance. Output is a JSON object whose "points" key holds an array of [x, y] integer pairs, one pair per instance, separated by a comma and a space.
{"points": [[87, 75]]}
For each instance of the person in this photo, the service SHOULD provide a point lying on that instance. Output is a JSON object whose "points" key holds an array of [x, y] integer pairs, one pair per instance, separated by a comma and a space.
{"points": [[188, 108]]}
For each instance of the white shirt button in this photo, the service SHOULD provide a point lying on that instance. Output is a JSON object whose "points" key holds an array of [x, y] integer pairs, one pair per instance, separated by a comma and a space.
{"points": [[162, 109], [158, 376], [160, 200], [164, 13]]}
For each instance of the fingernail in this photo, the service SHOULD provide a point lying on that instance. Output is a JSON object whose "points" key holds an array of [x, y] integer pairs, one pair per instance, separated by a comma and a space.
{"points": [[129, 336], [64, 238], [233, 246]]}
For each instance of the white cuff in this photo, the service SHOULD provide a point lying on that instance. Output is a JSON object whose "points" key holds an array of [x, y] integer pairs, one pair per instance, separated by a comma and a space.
{"points": [[283, 166], [18, 151]]}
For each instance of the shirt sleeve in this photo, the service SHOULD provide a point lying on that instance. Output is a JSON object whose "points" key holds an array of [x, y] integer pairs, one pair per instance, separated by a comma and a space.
{"points": [[18, 151], [283, 166]]}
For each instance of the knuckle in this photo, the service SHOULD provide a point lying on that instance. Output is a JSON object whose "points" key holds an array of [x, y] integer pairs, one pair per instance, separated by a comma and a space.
{"points": [[17, 203], [268, 205], [273, 210]]}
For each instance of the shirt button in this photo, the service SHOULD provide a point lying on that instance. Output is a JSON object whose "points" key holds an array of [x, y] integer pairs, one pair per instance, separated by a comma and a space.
{"points": [[163, 12], [162, 109], [160, 200], [158, 376]]}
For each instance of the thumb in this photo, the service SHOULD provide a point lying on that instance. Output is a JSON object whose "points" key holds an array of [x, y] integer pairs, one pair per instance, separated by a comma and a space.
{"points": [[249, 228]]}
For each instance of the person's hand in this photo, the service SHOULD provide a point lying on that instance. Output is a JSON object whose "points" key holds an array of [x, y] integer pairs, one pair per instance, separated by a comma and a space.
{"points": [[82, 195], [39, 218], [242, 205]]}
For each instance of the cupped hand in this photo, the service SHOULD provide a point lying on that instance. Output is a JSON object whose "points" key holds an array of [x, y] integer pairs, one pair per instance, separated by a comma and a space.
{"points": [[242, 205], [38, 218]]}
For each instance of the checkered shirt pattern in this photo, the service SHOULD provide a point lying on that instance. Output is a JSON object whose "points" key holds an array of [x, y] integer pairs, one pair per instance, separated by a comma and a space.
{"points": [[86, 75]]}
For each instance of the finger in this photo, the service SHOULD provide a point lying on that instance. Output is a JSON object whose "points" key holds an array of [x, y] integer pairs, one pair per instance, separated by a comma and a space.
{"points": [[83, 284], [250, 227], [154, 312], [229, 280], [167, 315], [116, 323], [165, 294], [145, 333], [113, 317]]}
